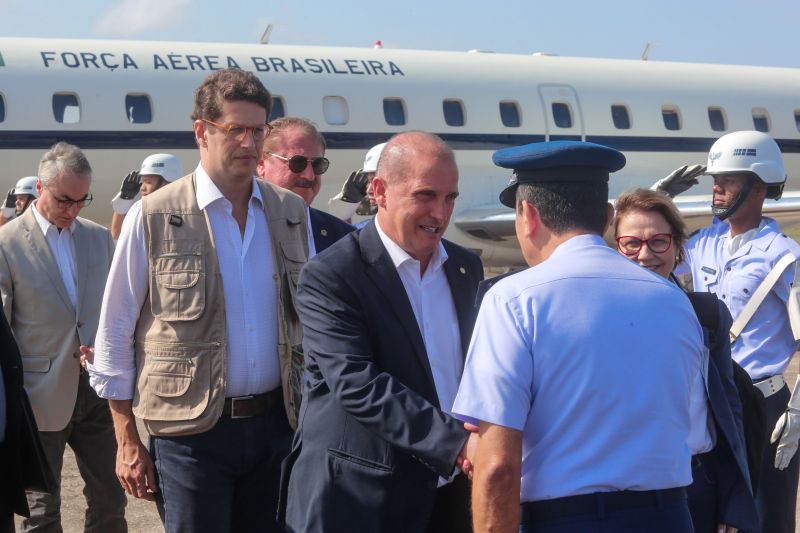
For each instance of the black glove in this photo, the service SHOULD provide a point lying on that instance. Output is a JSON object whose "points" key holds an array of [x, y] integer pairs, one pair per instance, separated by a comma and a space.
{"points": [[355, 188], [10, 199], [130, 186]]}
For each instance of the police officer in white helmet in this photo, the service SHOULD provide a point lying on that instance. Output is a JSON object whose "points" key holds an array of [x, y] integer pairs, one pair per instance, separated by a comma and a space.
{"points": [[19, 198], [745, 259], [157, 170], [356, 195]]}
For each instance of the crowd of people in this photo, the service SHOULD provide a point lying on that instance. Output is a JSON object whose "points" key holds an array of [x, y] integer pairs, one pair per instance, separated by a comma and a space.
{"points": [[296, 373]]}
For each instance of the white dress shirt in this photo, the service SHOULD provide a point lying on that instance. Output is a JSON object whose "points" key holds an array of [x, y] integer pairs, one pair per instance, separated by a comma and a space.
{"points": [[435, 312], [251, 300], [432, 303], [63, 247]]}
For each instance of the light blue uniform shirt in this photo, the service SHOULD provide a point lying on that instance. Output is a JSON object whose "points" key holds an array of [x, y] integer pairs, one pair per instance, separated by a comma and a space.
{"points": [[594, 359], [766, 344]]}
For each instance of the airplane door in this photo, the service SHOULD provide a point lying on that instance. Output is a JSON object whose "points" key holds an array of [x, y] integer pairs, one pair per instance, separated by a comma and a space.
{"points": [[562, 111]]}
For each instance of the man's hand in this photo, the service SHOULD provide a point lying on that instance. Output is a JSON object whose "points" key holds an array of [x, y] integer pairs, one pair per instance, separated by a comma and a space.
{"points": [[466, 459], [87, 355], [681, 180], [355, 187], [130, 186], [11, 199], [786, 434], [724, 528], [135, 470]]}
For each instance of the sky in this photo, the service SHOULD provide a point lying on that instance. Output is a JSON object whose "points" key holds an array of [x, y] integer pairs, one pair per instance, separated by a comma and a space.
{"points": [[749, 32]]}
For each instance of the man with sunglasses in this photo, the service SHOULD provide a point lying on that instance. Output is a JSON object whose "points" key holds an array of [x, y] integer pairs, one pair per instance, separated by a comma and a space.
{"points": [[294, 158], [53, 269], [199, 337]]}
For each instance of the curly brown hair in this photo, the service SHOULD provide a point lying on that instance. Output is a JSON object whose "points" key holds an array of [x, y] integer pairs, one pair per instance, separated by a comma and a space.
{"points": [[229, 85], [646, 201]]}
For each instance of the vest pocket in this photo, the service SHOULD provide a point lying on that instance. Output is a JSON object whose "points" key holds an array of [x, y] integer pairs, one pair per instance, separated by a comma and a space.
{"points": [[178, 286], [175, 381]]}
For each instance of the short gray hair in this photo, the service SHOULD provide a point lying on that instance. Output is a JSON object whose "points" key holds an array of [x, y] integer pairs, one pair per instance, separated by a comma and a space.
{"points": [[62, 158]]}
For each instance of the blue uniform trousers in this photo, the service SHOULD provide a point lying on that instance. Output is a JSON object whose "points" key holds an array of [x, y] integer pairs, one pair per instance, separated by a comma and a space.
{"points": [[223, 480], [776, 498], [658, 517]]}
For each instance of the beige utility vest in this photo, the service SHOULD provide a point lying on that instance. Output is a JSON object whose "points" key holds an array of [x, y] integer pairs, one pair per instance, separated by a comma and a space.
{"points": [[181, 337]]}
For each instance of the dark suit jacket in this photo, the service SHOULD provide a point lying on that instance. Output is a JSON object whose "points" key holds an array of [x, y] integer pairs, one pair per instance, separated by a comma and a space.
{"points": [[372, 440], [326, 228], [22, 462], [736, 506]]}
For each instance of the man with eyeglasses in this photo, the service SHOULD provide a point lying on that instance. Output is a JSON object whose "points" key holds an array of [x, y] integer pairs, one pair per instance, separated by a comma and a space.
{"points": [[198, 333], [294, 158], [53, 269]]}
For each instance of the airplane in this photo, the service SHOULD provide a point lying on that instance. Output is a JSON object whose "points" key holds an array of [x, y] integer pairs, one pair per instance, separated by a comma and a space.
{"points": [[123, 100]]}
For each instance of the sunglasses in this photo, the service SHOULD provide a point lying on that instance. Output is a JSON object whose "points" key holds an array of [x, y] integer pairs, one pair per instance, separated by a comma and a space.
{"points": [[658, 243], [298, 163]]}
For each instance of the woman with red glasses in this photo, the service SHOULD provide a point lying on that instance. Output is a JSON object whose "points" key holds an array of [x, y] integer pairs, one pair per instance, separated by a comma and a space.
{"points": [[649, 230]]}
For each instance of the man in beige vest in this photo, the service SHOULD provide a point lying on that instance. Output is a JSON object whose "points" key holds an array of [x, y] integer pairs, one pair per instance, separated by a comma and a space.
{"points": [[53, 267], [198, 334]]}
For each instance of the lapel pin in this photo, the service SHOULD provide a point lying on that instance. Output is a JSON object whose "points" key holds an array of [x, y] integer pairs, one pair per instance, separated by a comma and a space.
{"points": [[462, 270], [324, 232]]}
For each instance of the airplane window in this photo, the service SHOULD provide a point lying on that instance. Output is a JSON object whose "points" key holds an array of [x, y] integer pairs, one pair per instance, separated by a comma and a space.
{"points": [[716, 118], [66, 108], [509, 114], [562, 115], [278, 108], [3, 109], [760, 119], [335, 110], [672, 119], [393, 111], [620, 116], [137, 107], [453, 112], [796, 118]]}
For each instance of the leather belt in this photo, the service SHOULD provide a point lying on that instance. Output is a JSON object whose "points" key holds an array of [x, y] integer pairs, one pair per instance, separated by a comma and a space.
{"points": [[253, 405], [597, 503], [771, 385]]}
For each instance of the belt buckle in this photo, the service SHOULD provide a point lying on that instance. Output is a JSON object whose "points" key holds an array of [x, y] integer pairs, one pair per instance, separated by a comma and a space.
{"points": [[233, 406]]}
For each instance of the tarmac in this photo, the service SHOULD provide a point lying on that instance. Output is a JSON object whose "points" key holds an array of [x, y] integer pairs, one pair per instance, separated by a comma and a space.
{"points": [[142, 515]]}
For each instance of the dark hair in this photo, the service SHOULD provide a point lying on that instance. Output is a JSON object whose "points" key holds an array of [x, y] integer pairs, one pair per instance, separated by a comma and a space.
{"points": [[229, 85], [280, 125], [569, 205], [648, 201]]}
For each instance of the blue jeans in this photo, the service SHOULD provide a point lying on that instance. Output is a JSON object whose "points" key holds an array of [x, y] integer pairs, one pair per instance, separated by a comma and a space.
{"points": [[225, 479]]}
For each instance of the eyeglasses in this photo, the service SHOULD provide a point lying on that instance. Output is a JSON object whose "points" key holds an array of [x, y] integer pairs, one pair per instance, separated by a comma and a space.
{"points": [[67, 203], [298, 163], [658, 243], [239, 132]]}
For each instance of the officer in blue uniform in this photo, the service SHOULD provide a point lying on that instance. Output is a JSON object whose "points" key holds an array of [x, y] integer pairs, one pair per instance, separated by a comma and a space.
{"points": [[575, 377], [731, 258]]}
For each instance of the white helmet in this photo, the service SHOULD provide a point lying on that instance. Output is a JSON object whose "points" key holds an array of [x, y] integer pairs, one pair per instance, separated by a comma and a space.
{"points": [[373, 156], [752, 153], [27, 185], [165, 165]]}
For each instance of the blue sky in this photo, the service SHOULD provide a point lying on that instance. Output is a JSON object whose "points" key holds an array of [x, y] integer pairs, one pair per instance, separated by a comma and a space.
{"points": [[753, 32]]}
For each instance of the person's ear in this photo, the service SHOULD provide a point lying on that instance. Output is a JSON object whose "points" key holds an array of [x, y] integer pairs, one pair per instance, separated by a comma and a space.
{"points": [[200, 133], [609, 216], [379, 187]]}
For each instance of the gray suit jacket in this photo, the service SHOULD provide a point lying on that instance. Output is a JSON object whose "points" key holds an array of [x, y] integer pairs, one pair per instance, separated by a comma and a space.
{"points": [[48, 330]]}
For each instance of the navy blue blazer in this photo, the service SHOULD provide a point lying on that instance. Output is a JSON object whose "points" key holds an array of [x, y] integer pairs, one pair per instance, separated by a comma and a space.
{"points": [[736, 506], [372, 439], [326, 228]]}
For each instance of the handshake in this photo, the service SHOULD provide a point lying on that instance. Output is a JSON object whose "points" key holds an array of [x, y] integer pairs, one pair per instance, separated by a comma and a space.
{"points": [[466, 458]]}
